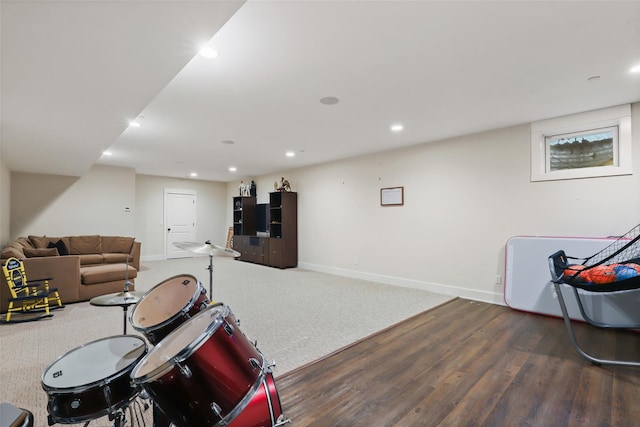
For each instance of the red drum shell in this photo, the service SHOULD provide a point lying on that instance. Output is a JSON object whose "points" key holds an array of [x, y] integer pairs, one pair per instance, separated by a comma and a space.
{"points": [[206, 362], [167, 305], [92, 380], [263, 409]]}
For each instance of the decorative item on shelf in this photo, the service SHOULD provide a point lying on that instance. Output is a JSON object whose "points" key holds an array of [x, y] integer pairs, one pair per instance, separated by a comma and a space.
{"points": [[284, 185], [252, 189], [245, 189]]}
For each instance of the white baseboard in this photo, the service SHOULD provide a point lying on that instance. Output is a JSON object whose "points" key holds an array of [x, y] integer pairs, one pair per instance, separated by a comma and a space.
{"points": [[472, 294], [152, 258]]}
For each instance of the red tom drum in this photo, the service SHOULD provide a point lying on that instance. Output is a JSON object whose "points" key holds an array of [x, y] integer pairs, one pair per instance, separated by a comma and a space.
{"points": [[199, 373], [167, 305]]}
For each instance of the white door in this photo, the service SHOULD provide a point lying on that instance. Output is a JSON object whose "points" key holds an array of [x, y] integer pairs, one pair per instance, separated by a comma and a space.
{"points": [[179, 220]]}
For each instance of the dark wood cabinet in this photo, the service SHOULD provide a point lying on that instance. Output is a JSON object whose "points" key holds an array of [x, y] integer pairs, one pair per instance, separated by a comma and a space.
{"points": [[255, 249], [280, 249], [244, 216], [283, 225]]}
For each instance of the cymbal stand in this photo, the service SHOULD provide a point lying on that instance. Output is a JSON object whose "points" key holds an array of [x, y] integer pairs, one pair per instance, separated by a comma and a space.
{"points": [[125, 307], [210, 268]]}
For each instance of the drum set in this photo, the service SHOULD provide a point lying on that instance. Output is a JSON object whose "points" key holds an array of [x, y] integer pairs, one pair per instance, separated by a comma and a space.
{"points": [[199, 369]]}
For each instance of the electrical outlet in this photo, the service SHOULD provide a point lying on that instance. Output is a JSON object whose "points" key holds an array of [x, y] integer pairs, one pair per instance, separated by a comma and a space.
{"points": [[498, 279]]}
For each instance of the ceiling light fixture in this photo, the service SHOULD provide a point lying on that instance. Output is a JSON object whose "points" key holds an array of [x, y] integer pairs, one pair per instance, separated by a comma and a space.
{"points": [[635, 69], [329, 100], [136, 123], [397, 127], [193, 174], [208, 52], [107, 153], [290, 154], [232, 169]]}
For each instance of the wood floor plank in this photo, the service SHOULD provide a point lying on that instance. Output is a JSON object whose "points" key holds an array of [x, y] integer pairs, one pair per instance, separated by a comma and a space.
{"points": [[467, 363]]}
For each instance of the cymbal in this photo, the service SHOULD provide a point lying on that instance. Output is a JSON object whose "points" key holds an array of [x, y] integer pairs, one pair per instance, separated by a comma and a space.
{"points": [[120, 298], [206, 248]]}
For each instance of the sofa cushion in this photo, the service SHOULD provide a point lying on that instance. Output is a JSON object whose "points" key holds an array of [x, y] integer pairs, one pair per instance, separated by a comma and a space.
{"points": [[24, 242], [110, 258], [41, 242], [40, 252], [79, 245], [60, 246], [116, 244], [91, 259], [12, 250], [107, 273]]}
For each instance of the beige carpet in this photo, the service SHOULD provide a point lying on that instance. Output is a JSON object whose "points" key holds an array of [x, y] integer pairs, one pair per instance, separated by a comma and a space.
{"points": [[296, 316]]}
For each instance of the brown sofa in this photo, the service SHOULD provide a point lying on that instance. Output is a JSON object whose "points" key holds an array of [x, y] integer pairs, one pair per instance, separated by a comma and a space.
{"points": [[82, 267]]}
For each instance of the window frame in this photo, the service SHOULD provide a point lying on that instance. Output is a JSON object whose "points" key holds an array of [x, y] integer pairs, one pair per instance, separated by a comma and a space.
{"points": [[591, 121]]}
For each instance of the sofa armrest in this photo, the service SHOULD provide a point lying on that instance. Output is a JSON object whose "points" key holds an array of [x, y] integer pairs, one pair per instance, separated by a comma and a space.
{"points": [[65, 271], [135, 255]]}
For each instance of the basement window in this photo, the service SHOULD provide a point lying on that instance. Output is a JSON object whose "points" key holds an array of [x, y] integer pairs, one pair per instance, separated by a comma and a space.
{"points": [[585, 145]]}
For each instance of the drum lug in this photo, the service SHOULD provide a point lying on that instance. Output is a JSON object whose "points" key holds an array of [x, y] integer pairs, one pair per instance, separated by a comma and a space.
{"points": [[228, 328], [216, 410], [254, 363], [107, 394], [184, 369]]}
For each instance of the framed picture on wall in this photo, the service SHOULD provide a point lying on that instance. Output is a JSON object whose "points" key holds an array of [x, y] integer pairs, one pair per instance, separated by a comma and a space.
{"points": [[392, 196]]}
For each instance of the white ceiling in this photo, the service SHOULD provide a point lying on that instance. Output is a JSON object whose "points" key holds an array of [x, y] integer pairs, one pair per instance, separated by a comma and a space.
{"points": [[74, 73]]}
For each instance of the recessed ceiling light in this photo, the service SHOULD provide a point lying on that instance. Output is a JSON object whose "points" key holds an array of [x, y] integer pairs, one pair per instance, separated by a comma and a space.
{"points": [[290, 154], [329, 100], [193, 174], [232, 169], [107, 153], [635, 69], [397, 127], [208, 52], [136, 123]]}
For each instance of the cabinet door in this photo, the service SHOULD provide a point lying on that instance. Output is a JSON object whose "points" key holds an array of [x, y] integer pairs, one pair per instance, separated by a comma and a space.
{"points": [[275, 253]]}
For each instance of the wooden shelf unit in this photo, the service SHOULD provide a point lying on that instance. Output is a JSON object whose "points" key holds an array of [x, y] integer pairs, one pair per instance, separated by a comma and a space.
{"points": [[244, 216], [280, 249]]}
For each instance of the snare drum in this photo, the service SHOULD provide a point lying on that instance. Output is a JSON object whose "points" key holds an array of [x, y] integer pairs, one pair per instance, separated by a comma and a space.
{"points": [[167, 305], [202, 370], [92, 380]]}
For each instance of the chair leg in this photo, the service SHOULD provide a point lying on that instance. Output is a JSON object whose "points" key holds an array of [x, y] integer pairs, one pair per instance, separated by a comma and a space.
{"points": [[9, 311], [574, 341]]}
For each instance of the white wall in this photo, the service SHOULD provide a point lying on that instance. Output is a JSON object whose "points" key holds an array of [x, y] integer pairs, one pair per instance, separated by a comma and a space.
{"points": [[210, 214], [5, 203], [464, 198], [61, 205]]}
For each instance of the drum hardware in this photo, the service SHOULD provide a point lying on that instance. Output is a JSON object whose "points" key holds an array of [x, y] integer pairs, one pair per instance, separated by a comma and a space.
{"points": [[254, 363], [228, 328], [123, 299], [184, 370], [218, 411], [210, 249]]}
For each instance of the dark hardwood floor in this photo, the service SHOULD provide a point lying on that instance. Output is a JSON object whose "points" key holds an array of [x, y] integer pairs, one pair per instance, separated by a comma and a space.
{"points": [[467, 363]]}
